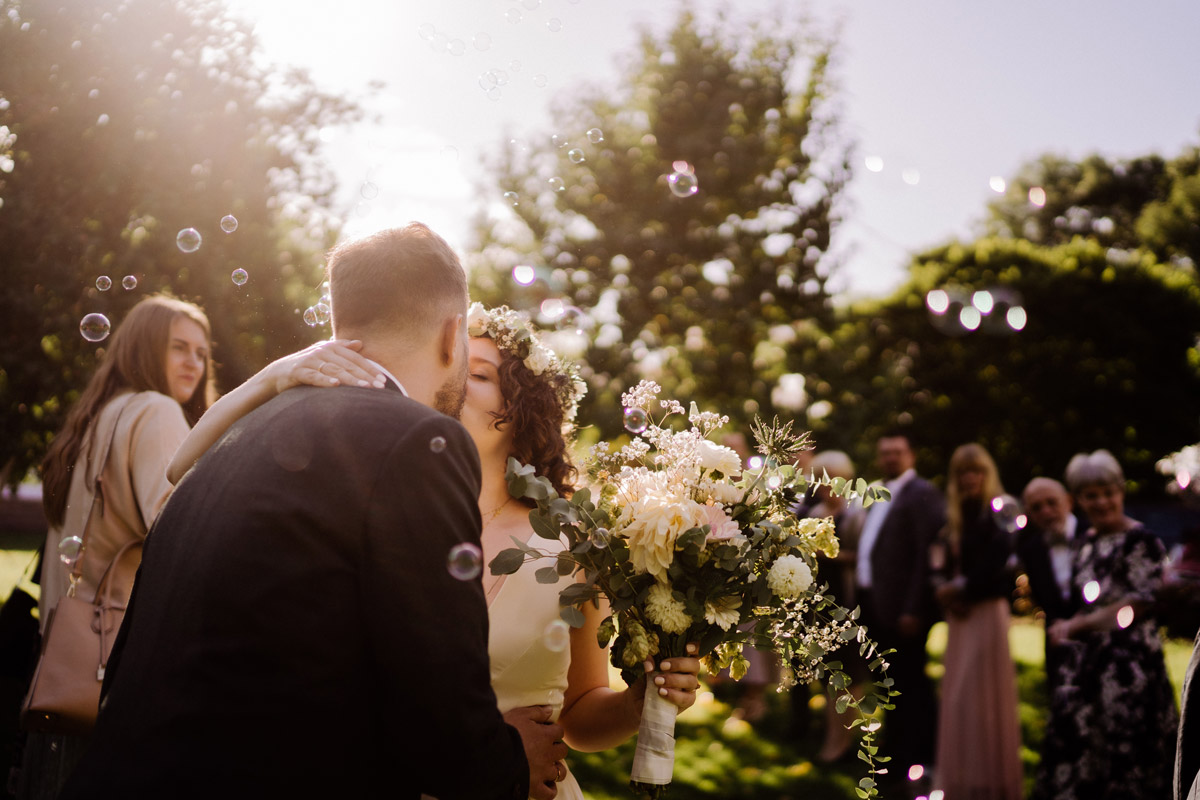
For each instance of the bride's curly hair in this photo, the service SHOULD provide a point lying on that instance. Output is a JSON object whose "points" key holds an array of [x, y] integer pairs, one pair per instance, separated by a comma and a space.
{"points": [[534, 411]]}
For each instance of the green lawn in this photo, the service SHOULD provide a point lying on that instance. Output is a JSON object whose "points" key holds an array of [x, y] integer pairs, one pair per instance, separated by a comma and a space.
{"points": [[719, 756]]}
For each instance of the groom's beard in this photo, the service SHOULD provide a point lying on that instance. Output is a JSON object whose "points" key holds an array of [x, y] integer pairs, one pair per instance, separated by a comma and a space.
{"points": [[450, 398]]}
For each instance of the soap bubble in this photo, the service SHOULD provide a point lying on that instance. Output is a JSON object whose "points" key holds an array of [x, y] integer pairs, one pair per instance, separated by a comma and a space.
{"points": [[595, 136], [997, 184], [599, 538], [427, 32], [322, 311], [95, 327], [104, 283], [129, 283], [572, 319], [369, 190], [524, 274], [540, 80], [239, 277], [465, 561], [456, 47], [310, 317], [512, 198], [558, 140], [482, 41], [576, 156], [636, 420], [557, 636], [938, 301], [69, 550], [557, 184], [188, 240], [683, 184], [1008, 514], [513, 15], [229, 223], [554, 24], [437, 444]]}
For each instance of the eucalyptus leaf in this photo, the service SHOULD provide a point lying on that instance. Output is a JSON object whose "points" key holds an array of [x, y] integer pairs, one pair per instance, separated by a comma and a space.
{"points": [[507, 561], [543, 527], [572, 616], [546, 575]]}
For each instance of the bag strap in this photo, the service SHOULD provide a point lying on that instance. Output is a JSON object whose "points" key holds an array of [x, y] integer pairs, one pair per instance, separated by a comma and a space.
{"points": [[92, 478], [104, 588]]}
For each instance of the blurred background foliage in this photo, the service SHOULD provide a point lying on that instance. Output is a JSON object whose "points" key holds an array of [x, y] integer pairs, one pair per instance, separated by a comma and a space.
{"points": [[120, 124]]}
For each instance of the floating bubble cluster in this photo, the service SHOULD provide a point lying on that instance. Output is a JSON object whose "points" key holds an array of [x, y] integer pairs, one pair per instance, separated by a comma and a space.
{"points": [[95, 327], [955, 311], [188, 240], [465, 561]]}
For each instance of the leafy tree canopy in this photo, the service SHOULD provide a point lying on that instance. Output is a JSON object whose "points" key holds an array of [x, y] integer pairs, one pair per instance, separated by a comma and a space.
{"points": [[120, 125]]}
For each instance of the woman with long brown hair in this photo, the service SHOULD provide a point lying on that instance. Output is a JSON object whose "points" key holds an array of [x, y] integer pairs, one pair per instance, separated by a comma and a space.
{"points": [[152, 384], [979, 739]]}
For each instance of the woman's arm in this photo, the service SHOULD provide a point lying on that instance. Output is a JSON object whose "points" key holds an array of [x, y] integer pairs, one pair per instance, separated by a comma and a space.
{"points": [[1104, 618], [330, 363], [594, 716]]}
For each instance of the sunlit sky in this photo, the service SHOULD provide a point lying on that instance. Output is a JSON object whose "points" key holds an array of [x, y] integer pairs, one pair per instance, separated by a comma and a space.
{"points": [[946, 92]]}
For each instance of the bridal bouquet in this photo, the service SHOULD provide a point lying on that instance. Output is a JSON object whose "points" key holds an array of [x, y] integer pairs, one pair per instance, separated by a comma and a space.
{"points": [[686, 546]]}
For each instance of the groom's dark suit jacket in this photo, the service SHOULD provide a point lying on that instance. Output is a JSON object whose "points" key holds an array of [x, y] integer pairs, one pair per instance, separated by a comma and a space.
{"points": [[900, 570], [294, 630]]}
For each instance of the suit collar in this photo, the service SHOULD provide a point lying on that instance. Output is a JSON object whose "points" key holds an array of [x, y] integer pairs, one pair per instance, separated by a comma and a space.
{"points": [[392, 382]]}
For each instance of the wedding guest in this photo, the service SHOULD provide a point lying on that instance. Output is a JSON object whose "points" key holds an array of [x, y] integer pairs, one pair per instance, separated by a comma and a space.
{"points": [[1044, 547], [1187, 743], [303, 623], [839, 574], [152, 383], [1112, 723], [979, 738], [893, 584], [539, 671]]}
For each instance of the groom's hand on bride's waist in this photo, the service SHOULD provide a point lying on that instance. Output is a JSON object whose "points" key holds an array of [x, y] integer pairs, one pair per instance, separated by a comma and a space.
{"points": [[544, 748]]}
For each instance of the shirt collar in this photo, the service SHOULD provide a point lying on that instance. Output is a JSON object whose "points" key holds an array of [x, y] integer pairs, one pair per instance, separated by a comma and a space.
{"points": [[895, 484], [389, 376]]}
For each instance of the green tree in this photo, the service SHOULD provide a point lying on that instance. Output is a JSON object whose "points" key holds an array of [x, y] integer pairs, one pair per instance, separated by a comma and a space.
{"points": [[120, 125], [703, 291], [1108, 358]]}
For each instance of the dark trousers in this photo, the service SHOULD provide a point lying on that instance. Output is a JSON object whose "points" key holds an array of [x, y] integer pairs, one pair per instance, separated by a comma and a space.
{"points": [[910, 730]]}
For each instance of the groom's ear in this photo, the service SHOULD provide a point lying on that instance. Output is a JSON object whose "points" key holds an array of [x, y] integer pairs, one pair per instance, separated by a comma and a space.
{"points": [[448, 341]]}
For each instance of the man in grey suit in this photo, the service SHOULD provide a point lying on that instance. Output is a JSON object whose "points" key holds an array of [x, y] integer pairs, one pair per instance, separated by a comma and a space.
{"points": [[892, 576]]}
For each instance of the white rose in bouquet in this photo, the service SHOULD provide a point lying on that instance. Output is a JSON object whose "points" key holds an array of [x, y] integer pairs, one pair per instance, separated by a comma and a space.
{"points": [[718, 457]]}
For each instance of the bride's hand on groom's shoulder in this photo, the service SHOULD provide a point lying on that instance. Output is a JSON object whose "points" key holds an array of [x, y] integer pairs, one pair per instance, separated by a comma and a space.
{"points": [[544, 748], [675, 679], [336, 362]]}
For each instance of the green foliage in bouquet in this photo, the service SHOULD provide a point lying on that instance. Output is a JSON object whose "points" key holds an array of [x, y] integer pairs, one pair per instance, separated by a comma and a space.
{"points": [[686, 547]]}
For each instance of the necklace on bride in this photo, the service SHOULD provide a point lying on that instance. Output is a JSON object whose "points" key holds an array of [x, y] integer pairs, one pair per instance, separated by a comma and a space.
{"points": [[490, 516]]}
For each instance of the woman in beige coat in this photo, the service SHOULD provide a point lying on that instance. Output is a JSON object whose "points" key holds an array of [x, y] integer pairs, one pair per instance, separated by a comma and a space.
{"points": [[150, 387]]}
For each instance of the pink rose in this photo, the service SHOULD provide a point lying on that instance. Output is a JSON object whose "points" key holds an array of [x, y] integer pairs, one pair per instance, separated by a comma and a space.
{"points": [[720, 527]]}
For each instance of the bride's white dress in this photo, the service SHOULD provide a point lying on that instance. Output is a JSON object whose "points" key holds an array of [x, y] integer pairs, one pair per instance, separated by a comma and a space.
{"points": [[527, 667]]}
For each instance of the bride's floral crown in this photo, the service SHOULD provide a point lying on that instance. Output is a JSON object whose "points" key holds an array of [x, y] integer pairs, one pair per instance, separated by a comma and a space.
{"points": [[513, 334]]}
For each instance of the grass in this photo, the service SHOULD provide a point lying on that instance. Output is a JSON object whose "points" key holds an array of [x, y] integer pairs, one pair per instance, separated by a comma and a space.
{"points": [[721, 756]]}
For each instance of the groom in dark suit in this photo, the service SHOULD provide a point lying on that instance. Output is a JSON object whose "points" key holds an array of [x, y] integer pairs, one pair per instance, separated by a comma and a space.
{"points": [[294, 630], [1045, 547], [892, 578]]}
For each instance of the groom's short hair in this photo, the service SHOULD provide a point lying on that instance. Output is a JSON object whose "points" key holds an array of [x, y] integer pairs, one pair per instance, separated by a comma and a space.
{"points": [[404, 281]]}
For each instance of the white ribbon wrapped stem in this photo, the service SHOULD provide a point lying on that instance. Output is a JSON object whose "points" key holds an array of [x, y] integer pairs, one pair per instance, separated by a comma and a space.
{"points": [[654, 758]]}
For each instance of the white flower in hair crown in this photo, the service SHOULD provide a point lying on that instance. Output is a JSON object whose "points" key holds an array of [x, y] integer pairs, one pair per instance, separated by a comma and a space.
{"points": [[513, 333]]}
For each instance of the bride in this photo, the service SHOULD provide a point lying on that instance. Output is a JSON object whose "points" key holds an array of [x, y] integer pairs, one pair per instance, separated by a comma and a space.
{"points": [[520, 399]]}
